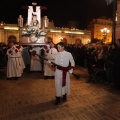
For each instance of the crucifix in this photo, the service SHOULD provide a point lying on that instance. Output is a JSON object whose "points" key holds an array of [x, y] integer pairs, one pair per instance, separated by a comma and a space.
{"points": [[34, 12]]}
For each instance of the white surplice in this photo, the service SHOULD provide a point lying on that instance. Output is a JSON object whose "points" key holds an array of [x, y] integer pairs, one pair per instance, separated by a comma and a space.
{"points": [[63, 59], [15, 64], [48, 69], [35, 64]]}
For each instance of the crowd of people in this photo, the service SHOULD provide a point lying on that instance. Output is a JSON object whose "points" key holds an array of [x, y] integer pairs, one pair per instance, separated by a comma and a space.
{"points": [[102, 56], [95, 56], [18, 59]]}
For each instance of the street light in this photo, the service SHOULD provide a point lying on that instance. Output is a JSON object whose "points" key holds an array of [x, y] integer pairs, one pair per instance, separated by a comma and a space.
{"points": [[105, 31]]}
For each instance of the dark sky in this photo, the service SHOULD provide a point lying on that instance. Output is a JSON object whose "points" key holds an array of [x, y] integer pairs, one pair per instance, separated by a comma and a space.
{"points": [[60, 11]]}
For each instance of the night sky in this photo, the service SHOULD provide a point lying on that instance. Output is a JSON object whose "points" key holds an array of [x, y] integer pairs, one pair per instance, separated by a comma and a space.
{"points": [[60, 11]]}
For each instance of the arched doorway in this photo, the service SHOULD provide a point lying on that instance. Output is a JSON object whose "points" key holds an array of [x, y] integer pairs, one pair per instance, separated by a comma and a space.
{"points": [[12, 38]]}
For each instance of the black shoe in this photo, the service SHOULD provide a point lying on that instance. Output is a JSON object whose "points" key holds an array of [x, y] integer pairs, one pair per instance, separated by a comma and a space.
{"points": [[16, 78], [65, 97], [8, 78], [46, 77], [52, 77], [57, 101]]}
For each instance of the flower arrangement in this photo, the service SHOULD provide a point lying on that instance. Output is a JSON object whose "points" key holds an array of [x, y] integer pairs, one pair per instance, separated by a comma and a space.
{"points": [[37, 32]]}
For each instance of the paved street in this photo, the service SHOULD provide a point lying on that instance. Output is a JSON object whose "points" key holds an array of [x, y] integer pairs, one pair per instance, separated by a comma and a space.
{"points": [[32, 98]]}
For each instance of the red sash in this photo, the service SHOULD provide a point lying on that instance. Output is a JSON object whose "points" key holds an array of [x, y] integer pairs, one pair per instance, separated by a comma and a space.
{"points": [[64, 72]]}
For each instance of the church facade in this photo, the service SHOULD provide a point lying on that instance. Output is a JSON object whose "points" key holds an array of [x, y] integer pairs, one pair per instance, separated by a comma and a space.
{"points": [[12, 32]]}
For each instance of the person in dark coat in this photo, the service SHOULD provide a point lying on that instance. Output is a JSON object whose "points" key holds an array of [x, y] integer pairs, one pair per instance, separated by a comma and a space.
{"points": [[99, 64], [116, 66], [109, 63]]}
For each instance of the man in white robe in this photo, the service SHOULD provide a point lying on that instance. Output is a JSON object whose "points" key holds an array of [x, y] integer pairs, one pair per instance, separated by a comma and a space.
{"points": [[35, 64], [62, 73], [49, 71], [15, 64]]}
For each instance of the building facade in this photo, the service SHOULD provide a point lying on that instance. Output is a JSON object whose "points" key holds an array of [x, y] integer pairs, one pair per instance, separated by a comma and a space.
{"points": [[12, 32], [73, 36], [9, 32], [96, 25]]}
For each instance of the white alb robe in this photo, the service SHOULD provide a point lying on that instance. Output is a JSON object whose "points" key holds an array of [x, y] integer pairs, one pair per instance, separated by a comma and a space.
{"points": [[48, 70], [15, 64], [35, 64], [63, 59]]}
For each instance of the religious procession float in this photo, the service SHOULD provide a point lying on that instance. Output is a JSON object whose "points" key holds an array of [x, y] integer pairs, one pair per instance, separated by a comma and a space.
{"points": [[34, 32]]}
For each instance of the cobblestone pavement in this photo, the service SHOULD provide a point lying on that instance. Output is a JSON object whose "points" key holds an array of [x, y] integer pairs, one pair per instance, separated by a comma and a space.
{"points": [[32, 98]]}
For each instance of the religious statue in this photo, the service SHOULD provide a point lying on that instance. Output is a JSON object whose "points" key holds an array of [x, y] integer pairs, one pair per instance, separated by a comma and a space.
{"points": [[34, 17], [20, 21], [33, 34], [45, 23], [34, 22]]}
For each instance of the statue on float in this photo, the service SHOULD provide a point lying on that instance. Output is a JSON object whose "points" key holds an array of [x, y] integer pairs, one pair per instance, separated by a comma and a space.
{"points": [[33, 37], [33, 33]]}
